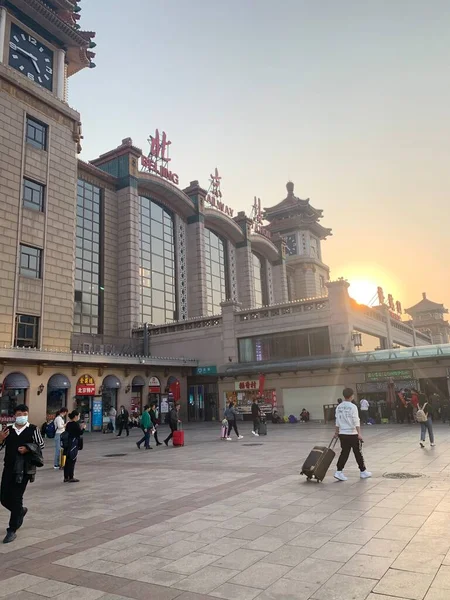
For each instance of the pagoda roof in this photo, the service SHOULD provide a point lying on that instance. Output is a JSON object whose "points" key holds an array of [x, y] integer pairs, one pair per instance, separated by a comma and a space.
{"points": [[292, 206], [426, 305]]}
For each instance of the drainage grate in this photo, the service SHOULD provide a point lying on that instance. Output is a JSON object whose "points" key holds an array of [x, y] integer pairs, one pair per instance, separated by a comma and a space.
{"points": [[113, 455], [402, 475], [252, 444]]}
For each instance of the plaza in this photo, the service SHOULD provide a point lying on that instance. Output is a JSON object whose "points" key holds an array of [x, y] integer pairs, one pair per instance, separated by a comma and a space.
{"points": [[235, 520]]}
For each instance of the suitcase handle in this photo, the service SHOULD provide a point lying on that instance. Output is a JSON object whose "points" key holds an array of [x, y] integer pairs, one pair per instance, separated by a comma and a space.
{"points": [[333, 442]]}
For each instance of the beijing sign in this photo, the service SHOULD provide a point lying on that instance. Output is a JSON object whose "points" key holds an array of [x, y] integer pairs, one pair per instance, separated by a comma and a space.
{"points": [[214, 197], [158, 159]]}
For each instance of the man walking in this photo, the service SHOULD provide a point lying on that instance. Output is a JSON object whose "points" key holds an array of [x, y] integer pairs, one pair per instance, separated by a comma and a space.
{"points": [[60, 426], [349, 433], [112, 418], [146, 428], [256, 415], [154, 420], [18, 440], [173, 423], [122, 418], [364, 406]]}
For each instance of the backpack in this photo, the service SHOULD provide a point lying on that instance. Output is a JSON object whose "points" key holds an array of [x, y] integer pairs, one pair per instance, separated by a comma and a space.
{"points": [[50, 430], [421, 416]]}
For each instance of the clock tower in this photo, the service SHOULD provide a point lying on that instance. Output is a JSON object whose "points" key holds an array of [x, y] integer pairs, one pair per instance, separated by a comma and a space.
{"points": [[297, 222]]}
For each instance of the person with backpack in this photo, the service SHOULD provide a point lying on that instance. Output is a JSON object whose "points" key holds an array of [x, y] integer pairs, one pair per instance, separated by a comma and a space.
{"points": [[424, 416], [57, 428], [72, 442]]}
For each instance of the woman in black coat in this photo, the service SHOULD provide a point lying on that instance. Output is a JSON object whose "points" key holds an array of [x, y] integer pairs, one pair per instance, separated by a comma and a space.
{"points": [[72, 445]]}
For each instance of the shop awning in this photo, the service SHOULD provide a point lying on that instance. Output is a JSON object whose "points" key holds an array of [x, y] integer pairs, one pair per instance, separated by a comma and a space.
{"points": [[138, 381], [111, 382], [16, 381], [58, 381]]}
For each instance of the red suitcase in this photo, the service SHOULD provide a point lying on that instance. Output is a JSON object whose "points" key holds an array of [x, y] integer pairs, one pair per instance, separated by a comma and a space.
{"points": [[178, 438]]}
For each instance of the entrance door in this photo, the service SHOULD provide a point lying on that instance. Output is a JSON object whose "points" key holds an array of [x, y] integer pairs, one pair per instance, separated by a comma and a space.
{"points": [[196, 403], [83, 405]]}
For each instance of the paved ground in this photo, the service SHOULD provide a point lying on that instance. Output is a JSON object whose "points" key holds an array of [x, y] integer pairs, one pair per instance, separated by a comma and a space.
{"points": [[234, 520]]}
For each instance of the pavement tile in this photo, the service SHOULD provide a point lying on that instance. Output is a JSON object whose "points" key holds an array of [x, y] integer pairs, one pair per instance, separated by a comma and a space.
{"points": [[225, 546], [179, 549], [354, 536], [283, 589], [437, 594], [405, 584], [240, 559], [386, 548], [190, 564], [250, 532], [196, 526], [361, 566], [261, 575], [442, 579], [418, 562], [82, 593], [144, 591], [205, 580], [18, 583], [290, 556], [339, 552], [344, 587], [311, 539], [319, 571], [133, 553], [230, 591], [397, 532]]}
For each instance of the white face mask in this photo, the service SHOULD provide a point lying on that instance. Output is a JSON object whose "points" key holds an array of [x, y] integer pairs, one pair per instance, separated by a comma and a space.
{"points": [[21, 420]]}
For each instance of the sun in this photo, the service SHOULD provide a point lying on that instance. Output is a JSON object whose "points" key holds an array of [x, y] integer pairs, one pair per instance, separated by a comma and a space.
{"points": [[363, 291]]}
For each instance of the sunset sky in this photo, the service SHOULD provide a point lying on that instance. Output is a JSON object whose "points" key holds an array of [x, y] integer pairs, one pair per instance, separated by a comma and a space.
{"points": [[350, 100]]}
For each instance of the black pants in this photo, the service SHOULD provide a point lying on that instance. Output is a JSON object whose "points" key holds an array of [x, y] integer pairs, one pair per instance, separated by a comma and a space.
{"points": [[256, 424], [170, 436], [145, 440], [350, 442], [365, 416], [155, 435], [12, 498], [121, 427], [69, 468], [233, 425]]}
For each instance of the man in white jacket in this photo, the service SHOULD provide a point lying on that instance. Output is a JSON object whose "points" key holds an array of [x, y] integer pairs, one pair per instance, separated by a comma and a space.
{"points": [[349, 433]]}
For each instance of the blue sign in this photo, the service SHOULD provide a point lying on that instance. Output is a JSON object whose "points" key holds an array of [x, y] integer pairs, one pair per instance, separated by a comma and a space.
{"points": [[97, 414], [211, 370]]}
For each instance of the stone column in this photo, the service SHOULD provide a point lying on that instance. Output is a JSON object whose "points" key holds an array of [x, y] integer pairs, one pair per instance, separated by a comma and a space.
{"points": [[232, 277], [279, 277], [195, 253], [244, 263], [340, 326], [181, 251], [229, 341], [269, 283]]}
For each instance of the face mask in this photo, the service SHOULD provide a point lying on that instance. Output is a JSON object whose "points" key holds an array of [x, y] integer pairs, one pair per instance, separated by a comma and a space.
{"points": [[21, 420]]}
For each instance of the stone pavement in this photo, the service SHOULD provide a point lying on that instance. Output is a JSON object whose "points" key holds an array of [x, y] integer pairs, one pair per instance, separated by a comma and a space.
{"points": [[235, 520]]}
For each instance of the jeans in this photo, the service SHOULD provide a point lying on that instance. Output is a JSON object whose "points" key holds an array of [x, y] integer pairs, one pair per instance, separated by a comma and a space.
{"points": [[170, 436], [113, 423], [57, 449], [123, 424], [233, 425], [350, 442], [427, 426], [12, 498], [146, 439]]}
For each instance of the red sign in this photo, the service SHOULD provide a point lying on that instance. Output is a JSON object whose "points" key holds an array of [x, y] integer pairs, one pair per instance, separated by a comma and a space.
{"points": [[246, 385], [158, 159], [214, 195], [154, 385], [85, 386], [257, 217], [6, 419]]}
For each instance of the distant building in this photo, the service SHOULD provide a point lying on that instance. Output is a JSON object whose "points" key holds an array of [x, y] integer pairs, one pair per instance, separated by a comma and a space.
{"points": [[428, 317]]}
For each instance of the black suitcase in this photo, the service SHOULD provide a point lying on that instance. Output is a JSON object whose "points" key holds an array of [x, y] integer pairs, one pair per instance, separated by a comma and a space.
{"points": [[319, 461], [263, 428]]}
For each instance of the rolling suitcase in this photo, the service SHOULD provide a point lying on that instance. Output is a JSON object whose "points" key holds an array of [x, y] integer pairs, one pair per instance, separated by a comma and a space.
{"points": [[263, 428], [319, 461], [178, 438]]}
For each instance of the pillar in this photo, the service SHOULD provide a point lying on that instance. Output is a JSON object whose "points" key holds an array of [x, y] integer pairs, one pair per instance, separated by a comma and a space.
{"points": [[195, 253], [279, 276], [60, 74], [229, 340], [2, 32], [340, 326], [244, 263]]}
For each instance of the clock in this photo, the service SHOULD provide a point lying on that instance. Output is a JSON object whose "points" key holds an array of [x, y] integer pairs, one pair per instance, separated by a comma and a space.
{"points": [[31, 58], [291, 244]]}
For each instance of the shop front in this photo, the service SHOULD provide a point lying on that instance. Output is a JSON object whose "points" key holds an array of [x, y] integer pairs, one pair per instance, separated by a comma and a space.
{"points": [[110, 388], [381, 391], [57, 389], [137, 395], [245, 392], [14, 391], [84, 400], [203, 394]]}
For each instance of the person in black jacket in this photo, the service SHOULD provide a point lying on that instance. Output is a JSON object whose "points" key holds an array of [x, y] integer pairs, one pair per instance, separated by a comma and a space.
{"points": [[16, 439], [173, 423], [256, 416], [71, 444], [122, 419], [154, 421]]}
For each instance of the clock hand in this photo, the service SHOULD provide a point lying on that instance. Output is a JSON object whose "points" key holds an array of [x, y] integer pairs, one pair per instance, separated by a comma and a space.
{"points": [[34, 58], [36, 65]]}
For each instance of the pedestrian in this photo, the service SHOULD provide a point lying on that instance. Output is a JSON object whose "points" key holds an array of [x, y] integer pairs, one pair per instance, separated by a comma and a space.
{"points": [[256, 415], [154, 420], [146, 426], [60, 427], [173, 422], [72, 442], [304, 416], [112, 418], [19, 439], [230, 415], [424, 416], [364, 406], [349, 433], [339, 400], [122, 418]]}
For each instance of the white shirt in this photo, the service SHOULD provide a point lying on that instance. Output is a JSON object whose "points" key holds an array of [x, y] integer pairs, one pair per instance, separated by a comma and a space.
{"points": [[113, 412], [347, 418], [364, 404], [19, 431], [60, 426]]}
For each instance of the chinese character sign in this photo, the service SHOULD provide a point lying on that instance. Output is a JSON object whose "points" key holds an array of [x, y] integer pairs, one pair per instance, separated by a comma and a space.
{"points": [[214, 195], [243, 386], [158, 159], [85, 386]]}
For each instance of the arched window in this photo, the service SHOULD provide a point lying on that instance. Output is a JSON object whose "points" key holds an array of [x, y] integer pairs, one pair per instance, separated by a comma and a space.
{"points": [[259, 281], [157, 263], [216, 272]]}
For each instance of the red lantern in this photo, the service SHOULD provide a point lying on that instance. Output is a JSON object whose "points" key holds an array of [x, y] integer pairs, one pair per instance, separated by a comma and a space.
{"points": [[262, 379]]}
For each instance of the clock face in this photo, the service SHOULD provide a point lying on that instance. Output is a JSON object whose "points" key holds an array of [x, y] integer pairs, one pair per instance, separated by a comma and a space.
{"points": [[291, 244], [30, 57]]}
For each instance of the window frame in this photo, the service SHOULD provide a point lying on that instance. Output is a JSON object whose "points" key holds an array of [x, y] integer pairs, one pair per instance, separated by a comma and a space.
{"points": [[38, 257], [32, 122], [30, 204], [21, 342]]}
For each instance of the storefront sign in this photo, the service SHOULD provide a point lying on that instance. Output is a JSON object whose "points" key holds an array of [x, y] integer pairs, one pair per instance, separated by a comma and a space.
{"points": [[376, 387], [257, 218], [7, 419], [214, 197], [386, 375], [97, 414], [85, 386], [164, 406], [158, 159], [242, 386], [211, 370], [154, 385]]}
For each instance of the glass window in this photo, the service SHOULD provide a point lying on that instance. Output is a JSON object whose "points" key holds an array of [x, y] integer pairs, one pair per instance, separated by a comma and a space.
{"points": [[157, 263], [36, 133], [216, 269], [27, 331], [260, 281], [30, 261], [285, 345], [33, 195], [87, 282]]}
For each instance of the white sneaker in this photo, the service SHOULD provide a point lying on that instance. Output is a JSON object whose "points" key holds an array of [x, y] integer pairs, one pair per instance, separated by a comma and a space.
{"points": [[240, 437], [229, 439], [340, 475], [254, 433], [433, 444], [257, 435], [365, 474]]}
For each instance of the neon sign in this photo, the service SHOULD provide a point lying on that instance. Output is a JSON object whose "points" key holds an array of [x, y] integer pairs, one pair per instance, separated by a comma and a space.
{"points": [[257, 217], [158, 159], [214, 196]]}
